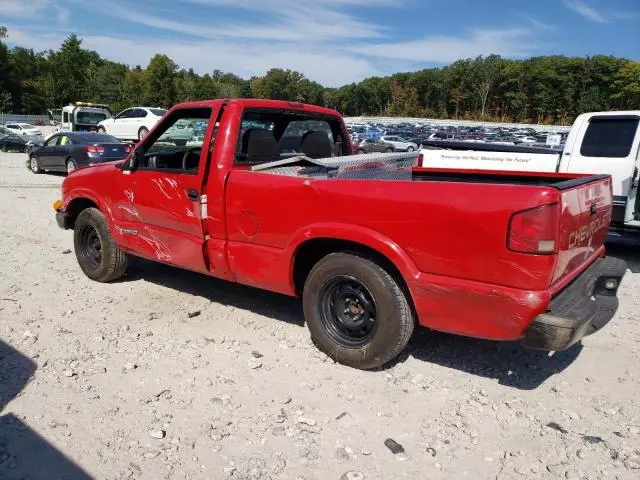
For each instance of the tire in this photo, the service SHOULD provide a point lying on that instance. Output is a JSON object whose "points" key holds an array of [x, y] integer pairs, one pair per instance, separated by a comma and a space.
{"points": [[34, 165], [332, 286], [97, 253], [3, 148], [102, 130], [71, 165], [142, 133], [360, 152], [389, 150], [410, 149]]}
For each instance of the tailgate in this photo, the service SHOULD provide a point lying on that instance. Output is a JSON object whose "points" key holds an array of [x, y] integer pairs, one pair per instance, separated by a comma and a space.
{"points": [[586, 205]]}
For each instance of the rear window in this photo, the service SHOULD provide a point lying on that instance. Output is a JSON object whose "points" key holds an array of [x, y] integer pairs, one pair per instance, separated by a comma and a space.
{"points": [[88, 138], [609, 138], [158, 111], [90, 118]]}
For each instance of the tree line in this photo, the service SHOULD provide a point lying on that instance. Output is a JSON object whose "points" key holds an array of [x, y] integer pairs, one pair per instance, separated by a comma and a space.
{"points": [[545, 89]]}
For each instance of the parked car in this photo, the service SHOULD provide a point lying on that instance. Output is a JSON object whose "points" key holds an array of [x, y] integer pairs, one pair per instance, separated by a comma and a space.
{"points": [[132, 123], [12, 142], [399, 143], [67, 151], [530, 266], [371, 145], [23, 129]]}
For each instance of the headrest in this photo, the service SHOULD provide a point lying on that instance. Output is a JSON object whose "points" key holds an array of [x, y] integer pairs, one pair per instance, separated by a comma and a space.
{"points": [[258, 142], [316, 144]]}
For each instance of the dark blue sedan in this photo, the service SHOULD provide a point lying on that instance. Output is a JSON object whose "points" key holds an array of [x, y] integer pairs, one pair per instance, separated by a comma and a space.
{"points": [[66, 151]]}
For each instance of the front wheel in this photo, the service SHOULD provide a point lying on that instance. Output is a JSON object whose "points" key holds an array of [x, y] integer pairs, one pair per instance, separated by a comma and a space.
{"points": [[389, 150], [98, 255], [71, 166], [410, 149], [3, 147], [34, 165], [356, 311]]}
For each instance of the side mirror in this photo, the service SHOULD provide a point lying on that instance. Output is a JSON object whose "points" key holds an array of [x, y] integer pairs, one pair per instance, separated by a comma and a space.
{"points": [[134, 160]]}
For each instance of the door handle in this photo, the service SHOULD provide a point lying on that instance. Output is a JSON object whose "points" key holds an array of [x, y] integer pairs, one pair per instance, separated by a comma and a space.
{"points": [[192, 193]]}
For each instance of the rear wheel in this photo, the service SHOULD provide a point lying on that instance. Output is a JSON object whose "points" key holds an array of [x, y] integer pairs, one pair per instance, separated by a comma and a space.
{"points": [[102, 130], [34, 165], [98, 255], [389, 150], [142, 133], [356, 311], [71, 165], [410, 149], [3, 147]]}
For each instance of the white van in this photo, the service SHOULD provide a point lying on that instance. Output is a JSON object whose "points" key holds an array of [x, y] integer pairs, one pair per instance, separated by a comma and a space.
{"points": [[600, 142]]}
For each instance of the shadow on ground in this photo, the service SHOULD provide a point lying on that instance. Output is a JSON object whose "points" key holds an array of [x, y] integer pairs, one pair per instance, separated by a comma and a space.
{"points": [[507, 362], [271, 305], [24, 454], [627, 251]]}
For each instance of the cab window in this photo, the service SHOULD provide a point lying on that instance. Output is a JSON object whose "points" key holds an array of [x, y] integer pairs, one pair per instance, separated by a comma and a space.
{"points": [[270, 135], [177, 144], [608, 137]]}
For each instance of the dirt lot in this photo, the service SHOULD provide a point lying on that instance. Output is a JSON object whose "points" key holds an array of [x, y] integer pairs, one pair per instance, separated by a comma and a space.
{"points": [[127, 381]]}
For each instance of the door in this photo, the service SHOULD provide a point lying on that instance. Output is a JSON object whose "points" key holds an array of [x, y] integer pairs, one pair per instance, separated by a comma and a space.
{"points": [[137, 121], [46, 154], [121, 125], [61, 152], [609, 144], [158, 206]]}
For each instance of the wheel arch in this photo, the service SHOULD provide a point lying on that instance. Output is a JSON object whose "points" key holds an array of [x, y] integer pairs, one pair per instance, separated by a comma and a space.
{"points": [[315, 243]]}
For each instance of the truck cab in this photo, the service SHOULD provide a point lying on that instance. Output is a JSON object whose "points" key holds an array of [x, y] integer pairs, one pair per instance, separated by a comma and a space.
{"points": [[83, 117]]}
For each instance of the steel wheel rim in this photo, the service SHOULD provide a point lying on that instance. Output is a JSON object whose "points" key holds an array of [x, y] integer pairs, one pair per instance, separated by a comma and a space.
{"points": [[70, 167], [34, 165], [348, 311], [90, 247]]}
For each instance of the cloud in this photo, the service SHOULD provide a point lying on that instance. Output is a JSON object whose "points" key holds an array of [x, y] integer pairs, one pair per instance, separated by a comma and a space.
{"points": [[537, 23], [443, 49], [330, 68], [586, 11], [325, 40], [21, 9]]}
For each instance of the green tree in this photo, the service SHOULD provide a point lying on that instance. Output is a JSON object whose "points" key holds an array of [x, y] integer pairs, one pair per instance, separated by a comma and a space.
{"points": [[159, 81], [626, 86]]}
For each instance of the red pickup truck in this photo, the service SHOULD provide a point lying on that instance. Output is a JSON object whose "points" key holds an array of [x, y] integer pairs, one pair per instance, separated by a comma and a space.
{"points": [[269, 194]]}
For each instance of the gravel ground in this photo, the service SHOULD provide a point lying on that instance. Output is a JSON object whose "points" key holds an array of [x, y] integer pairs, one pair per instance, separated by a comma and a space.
{"points": [[172, 375]]}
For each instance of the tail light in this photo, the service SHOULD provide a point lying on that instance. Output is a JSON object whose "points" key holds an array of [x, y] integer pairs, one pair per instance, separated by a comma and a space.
{"points": [[535, 231], [421, 160], [94, 149]]}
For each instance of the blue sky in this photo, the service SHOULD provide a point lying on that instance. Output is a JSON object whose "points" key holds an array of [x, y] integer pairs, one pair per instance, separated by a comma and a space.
{"points": [[330, 41]]}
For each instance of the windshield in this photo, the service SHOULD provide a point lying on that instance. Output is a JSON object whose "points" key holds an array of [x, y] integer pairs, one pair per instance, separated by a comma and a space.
{"points": [[158, 111], [27, 126], [90, 118]]}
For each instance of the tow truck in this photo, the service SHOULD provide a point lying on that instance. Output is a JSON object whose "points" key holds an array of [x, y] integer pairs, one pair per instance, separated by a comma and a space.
{"points": [[82, 116]]}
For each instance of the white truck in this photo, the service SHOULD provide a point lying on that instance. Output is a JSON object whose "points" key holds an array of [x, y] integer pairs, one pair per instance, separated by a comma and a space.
{"points": [[599, 142], [82, 117]]}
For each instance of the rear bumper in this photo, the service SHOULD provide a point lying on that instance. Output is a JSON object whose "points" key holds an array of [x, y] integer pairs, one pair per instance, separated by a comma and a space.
{"points": [[582, 308]]}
